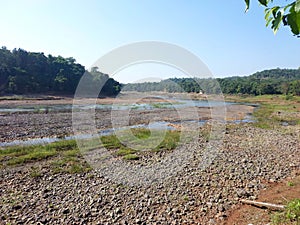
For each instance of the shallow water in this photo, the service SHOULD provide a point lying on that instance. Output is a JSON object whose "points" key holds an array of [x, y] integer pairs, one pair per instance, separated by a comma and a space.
{"points": [[160, 125], [136, 106]]}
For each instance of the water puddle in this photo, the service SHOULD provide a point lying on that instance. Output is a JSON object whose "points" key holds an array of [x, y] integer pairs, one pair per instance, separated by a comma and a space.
{"points": [[158, 125]]}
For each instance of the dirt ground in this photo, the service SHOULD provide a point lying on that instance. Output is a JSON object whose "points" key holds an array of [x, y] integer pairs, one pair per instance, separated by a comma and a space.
{"points": [[275, 193]]}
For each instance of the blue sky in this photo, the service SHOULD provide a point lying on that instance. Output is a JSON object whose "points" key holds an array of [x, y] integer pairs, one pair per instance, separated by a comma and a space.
{"points": [[226, 39]]}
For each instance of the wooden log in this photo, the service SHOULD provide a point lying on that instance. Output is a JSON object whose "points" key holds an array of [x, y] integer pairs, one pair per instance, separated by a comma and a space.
{"points": [[263, 204]]}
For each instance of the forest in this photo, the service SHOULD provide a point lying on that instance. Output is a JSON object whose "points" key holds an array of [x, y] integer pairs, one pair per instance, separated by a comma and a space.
{"points": [[23, 72], [274, 81]]}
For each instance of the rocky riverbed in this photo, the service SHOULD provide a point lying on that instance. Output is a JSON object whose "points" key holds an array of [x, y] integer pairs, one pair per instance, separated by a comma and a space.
{"points": [[43, 124], [248, 160]]}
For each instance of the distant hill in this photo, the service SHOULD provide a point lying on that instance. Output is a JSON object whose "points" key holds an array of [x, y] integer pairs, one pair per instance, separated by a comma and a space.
{"points": [[23, 72], [274, 81]]}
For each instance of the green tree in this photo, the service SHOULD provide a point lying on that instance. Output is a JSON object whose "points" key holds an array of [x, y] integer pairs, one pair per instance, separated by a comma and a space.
{"points": [[275, 15], [23, 72], [295, 87]]}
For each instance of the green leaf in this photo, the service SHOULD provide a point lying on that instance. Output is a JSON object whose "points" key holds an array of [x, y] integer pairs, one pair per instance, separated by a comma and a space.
{"points": [[268, 17], [293, 20], [264, 2], [274, 10], [268, 12], [287, 6], [268, 21], [247, 5], [276, 22], [297, 6]]}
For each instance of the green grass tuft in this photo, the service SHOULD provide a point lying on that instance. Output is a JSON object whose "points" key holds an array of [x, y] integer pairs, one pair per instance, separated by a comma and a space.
{"points": [[35, 155], [64, 156], [125, 151], [290, 215], [142, 137], [131, 157]]}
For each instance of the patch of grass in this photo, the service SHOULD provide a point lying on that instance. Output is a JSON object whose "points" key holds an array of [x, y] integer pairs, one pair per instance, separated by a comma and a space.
{"points": [[131, 157], [170, 141], [111, 142], [273, 109], [71, 153], [125, 151], [159, 105], [70, 164], [35, 172], [91, 144], [186, 198], [263, 116], [22, 154], [290, 184], [141, 133], [64, 156], [272, 115], [62, 145], [78, 168], [141, 140], [290, 215], [35, 155]]}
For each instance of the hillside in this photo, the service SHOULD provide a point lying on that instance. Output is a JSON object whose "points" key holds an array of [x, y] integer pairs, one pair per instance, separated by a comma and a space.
{"points": [[23, 72], [274, 81]]}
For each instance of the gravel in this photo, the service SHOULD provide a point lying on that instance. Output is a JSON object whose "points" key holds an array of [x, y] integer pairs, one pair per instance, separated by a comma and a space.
{"points": [[249, 159]]}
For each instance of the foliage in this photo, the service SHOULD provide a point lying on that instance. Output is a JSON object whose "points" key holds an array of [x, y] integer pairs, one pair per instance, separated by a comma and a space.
{"points": [[288, 14], [23, 72], [275, 81], [291, 214]]}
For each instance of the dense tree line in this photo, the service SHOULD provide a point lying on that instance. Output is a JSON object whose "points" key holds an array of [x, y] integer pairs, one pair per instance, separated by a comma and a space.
{"points": [[275, 81], [23, 72]]}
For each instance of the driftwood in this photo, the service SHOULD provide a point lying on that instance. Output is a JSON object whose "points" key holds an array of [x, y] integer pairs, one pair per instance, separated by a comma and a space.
{"points": [[263, 204]]}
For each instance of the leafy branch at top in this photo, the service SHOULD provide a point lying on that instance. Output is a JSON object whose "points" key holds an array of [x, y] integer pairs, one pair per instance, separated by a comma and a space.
{"points": [[288, 14]]}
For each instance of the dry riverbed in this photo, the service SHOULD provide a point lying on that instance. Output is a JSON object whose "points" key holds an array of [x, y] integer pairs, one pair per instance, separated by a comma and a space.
{"points": [[43, 124], [249, 160]]}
